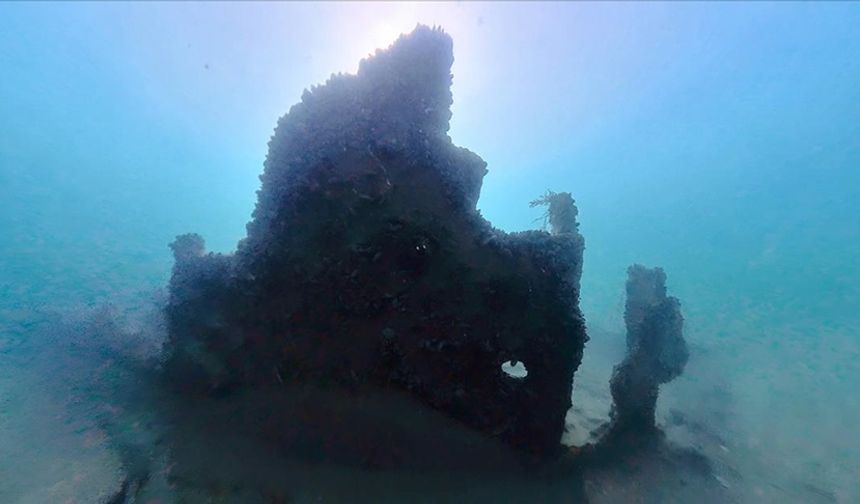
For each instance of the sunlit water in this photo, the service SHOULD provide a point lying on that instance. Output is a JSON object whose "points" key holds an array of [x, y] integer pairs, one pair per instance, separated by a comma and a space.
{"points": [[719, 141]]}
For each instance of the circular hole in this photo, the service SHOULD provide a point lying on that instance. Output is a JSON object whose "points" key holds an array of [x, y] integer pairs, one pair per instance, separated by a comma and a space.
{"points": [[515, 369]]}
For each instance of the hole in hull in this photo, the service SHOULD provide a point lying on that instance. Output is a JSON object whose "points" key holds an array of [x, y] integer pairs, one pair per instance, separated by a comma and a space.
{"points": [[515, 369]]}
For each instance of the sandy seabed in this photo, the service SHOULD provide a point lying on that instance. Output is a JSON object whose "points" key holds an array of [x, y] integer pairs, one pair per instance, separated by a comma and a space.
{"points": [[741, 426]]}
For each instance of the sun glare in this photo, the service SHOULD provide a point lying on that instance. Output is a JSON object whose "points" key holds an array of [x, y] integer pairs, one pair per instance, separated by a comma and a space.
{"points": [[365, 28], [385, 33]]}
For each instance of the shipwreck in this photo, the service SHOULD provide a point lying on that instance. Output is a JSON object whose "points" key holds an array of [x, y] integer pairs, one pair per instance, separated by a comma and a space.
{"points": [[367, 266]]}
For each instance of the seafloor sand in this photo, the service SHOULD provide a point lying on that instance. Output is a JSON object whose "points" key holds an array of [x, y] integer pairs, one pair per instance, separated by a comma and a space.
{"points": [[760, 434]]}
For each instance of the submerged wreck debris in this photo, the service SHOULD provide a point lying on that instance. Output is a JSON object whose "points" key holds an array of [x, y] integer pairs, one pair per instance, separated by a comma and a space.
{"points": [[656, 352], [368, 267], [561, 212]]}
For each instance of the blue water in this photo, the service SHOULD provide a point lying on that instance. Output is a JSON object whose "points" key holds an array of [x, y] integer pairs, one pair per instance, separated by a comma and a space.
{"points": [[719, 141]]}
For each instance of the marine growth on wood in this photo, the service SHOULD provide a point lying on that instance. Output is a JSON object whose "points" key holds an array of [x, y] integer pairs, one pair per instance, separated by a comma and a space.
{"points": [[656, 351], [367, 266]]}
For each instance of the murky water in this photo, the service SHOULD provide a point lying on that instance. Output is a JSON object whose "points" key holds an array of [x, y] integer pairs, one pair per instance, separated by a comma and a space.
{"points": [[717, 141]]}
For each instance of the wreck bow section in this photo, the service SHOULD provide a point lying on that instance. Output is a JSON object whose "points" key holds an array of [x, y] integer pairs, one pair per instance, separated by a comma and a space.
{"points": [[367, 265]]}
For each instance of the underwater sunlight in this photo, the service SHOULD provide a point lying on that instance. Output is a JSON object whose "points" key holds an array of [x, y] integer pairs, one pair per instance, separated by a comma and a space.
{"points": [[429, 252]]}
